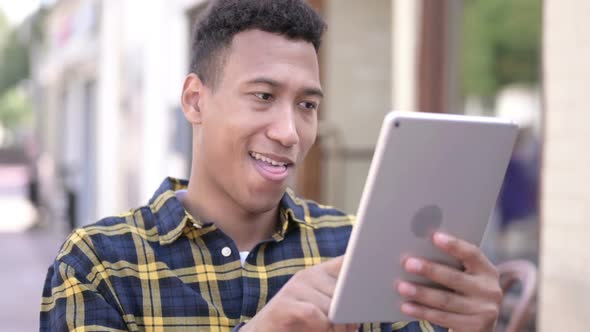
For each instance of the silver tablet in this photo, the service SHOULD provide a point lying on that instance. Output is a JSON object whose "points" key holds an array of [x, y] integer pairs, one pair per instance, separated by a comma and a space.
{"points": [[429, 172]]}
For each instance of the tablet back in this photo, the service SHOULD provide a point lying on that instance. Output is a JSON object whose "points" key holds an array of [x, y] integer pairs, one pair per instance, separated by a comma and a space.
{"points": [[429, 172]]}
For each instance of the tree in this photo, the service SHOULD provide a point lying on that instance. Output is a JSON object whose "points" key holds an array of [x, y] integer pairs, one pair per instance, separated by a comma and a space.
{"points": [[14, 68], [14, 61], [501, 44], [3, 28], [15, 107]]}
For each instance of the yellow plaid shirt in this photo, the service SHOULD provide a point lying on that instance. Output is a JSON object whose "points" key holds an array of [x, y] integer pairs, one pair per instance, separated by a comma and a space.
{"points": [[157, 268]]}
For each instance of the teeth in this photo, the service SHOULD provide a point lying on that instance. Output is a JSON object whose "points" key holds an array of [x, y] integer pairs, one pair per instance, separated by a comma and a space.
{"points": [[266, 160]]}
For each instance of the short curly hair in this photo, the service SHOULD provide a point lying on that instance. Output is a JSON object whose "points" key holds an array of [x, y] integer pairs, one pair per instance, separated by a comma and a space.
{"points": [[223, 19]]}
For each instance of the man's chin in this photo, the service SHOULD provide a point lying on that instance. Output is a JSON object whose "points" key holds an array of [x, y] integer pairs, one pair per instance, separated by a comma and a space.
{"points": [[260, 201]]}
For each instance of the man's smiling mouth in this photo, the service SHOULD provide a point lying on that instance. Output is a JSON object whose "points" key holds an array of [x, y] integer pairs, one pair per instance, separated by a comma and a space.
{"points": [[284, 162], [271, 167]]}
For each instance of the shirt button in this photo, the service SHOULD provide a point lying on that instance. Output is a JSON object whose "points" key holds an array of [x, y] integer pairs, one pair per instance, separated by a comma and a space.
{"points": [[226, 251]]}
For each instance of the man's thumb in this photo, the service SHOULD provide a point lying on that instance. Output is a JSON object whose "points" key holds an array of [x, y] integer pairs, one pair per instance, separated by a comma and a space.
{"points": [[333, 266]]}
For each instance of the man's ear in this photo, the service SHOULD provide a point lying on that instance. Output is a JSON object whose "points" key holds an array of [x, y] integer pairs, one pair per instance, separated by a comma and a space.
{"points": [[192, 92]]}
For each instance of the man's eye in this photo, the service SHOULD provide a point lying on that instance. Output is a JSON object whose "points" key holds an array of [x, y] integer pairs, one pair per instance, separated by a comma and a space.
{"points": [[308, 105], [263, 96]]}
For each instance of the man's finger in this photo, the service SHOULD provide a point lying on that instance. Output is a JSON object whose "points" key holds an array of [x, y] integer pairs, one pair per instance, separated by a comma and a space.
{"points": [[468, 253], [436, 298], [446, 276], [319, 299], [339, 328], [345, 328], [352, 327], [315, 318], [439, 317]]}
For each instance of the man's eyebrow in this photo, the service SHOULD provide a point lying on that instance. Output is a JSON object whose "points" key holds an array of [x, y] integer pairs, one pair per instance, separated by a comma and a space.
{"points": [[264, 80], [313, 92], [308, 91]]}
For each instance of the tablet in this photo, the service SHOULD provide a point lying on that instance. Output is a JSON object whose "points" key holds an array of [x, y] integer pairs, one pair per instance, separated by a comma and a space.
{"points": [[429, 172]]}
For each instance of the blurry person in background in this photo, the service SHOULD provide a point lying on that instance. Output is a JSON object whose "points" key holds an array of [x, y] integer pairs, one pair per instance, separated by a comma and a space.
{"points": [[32, 152], [519, 195], [233, 247], [519, 200]]}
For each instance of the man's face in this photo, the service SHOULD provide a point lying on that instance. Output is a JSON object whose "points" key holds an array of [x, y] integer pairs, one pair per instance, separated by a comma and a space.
{"points": [[260, 120]]}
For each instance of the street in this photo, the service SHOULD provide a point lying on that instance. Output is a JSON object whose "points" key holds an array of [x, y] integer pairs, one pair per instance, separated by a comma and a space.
{"points": [[25, 253], [25, 258]]}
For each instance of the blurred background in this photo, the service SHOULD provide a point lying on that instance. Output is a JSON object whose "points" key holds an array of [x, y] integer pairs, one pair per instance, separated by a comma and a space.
{"points": [[90, 124]]}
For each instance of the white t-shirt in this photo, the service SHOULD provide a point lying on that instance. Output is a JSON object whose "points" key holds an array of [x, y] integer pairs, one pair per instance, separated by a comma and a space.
{"points": [[180, 194], [243, 255]]}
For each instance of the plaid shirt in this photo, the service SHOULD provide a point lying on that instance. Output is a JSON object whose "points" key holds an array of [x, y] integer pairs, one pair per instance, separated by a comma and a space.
{"points": [[157, 268]]}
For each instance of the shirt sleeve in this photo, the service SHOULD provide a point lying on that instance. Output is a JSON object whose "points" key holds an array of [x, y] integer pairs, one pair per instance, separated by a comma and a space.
{"points": [[71, 303], [238, 327], [417, 326], [413, 326]]}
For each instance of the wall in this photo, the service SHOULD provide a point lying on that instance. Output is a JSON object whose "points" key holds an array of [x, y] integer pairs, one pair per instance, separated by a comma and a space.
{"points": [[565, 252], [357, 83]]}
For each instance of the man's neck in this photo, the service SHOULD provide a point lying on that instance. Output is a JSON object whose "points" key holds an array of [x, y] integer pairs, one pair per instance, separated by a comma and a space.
{"points": [[212, 205]]}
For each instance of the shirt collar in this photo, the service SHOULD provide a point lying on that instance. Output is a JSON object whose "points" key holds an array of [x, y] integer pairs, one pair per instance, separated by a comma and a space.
{"points": [[172, 218]]}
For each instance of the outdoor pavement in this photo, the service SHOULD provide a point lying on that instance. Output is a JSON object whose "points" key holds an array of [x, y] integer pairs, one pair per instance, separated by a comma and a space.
{"points": [[24, 258], [25, 253]]}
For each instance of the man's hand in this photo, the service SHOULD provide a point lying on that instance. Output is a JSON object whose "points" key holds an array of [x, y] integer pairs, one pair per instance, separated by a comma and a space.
{"points": [[473, 304], [303, 303]]}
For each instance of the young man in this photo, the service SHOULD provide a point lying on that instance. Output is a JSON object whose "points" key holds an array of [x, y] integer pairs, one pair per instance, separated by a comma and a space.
{"points": [[233, 248]]}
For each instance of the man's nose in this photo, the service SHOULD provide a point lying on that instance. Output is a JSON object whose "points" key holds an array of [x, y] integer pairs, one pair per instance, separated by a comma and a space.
{"points": [[284, 129]]}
